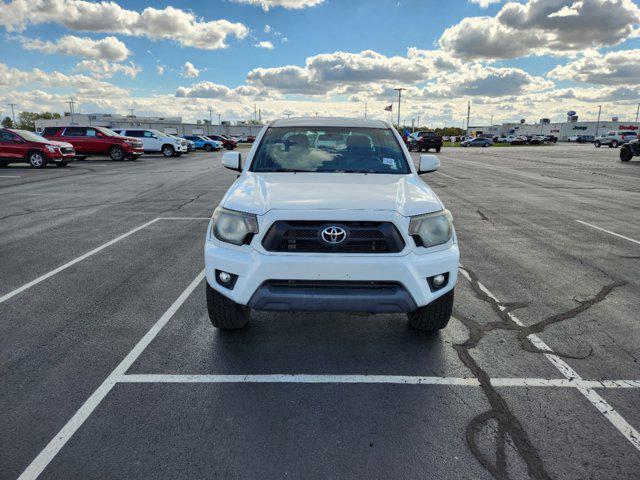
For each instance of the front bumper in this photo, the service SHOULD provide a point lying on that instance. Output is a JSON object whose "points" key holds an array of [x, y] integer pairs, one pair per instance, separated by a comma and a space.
{"points": [[255, 270]]}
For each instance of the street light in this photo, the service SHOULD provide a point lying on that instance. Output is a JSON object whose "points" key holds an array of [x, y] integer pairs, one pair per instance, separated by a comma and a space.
{"points": [[399, 90]]}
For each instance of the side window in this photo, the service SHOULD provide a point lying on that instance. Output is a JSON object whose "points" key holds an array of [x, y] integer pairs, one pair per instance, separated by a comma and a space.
{"points": [[134, 133], [75, 132], [50, 131], [147, 134], [92, 132], [7, 137]]}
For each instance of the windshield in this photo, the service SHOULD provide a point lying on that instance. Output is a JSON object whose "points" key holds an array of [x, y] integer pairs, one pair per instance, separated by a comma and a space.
{"points": [[329, 149], [107, 132], [32, 137]]}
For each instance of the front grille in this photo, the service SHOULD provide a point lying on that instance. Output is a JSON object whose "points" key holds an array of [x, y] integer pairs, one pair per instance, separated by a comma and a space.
{"points": [[331, 284], [67, 150], [305, 237]]}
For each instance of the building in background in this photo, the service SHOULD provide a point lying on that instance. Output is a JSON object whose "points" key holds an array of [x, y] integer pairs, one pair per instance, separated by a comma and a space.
{"points": [[171, 125], [562, 130]]}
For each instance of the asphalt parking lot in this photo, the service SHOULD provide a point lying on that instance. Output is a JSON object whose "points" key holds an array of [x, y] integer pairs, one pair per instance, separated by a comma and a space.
{"points": [[109, 367]]}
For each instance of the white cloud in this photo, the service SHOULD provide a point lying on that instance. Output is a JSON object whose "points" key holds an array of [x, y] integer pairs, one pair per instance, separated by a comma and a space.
{"points": [[266, 5], [265, 44], [169, 23], [105, 69], [160, 69], [539, 27], [108, 48], [613, 68], [216, 91], [267, 29], [485, 3], [189, 71]]}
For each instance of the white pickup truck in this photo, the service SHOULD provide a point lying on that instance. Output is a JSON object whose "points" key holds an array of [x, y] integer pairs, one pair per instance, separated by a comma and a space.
{"points": [[349, 227], [156, 141]]}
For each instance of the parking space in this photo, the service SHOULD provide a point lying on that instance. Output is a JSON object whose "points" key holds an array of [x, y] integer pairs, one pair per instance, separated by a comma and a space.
{"points": [[111, 369]]}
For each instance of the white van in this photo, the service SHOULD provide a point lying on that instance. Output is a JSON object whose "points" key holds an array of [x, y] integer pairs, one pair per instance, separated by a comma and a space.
{"points": [[156, 141]]}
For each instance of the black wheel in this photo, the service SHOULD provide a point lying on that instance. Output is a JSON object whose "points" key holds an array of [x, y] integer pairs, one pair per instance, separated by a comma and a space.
{"points": [[224, 313], [426, 149], [37, 160], [3, 164], [168, 150], [625, 153], [116, 153], [229, 146], [208, 147], [438, 149], [80, 158], [433, 317], [614, 144], [61, 164], [133, 158], [597, 144]]}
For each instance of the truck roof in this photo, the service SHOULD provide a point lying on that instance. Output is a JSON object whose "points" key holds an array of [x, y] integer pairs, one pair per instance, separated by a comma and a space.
{"points": [[328, 122]]}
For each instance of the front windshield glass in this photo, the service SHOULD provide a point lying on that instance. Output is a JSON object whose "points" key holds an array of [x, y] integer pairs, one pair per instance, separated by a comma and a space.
{"points": [[329, 149], [30, 136], [107, 132]]}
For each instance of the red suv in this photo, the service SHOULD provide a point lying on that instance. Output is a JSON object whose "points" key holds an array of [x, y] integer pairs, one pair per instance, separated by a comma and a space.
{"points": [[227, 142], [25, 146], [96, 141]]}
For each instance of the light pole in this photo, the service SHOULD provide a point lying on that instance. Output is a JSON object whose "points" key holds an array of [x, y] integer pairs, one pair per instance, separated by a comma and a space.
{"points": [[210, 119], [13, 114], [399, 90], [637, 112], [220, 123], [71, 103], [468, 115], [598, 122]]}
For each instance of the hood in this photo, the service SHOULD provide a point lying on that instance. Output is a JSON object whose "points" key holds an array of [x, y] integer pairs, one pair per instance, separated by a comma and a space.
{"points": [[58, 144], [260, 192]]}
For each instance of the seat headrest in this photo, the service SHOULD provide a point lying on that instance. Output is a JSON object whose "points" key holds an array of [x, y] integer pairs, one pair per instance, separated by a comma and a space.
{"points": [[298, 141], [359, 142]]}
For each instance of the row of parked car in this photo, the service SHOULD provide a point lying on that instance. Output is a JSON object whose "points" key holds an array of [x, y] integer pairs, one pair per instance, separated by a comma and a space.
{"points": [[63, 144], [611, 139]]}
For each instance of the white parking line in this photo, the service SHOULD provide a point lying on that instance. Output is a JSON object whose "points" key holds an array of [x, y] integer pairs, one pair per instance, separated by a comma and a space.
{"points": [[608, 231], [10, 176], [43, 459], [375, 379], [50, 274], [565, 369]]}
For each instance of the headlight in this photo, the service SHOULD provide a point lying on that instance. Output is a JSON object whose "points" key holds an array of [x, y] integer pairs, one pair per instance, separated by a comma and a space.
{"points": [[431, 229], [53, 149], [234, 227]]}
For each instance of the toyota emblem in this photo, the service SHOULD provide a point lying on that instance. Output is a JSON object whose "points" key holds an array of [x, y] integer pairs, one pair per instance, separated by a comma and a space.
{"points": [[333, 235]]}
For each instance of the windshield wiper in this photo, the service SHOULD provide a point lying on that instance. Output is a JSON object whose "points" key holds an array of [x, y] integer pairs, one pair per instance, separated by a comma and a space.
{"points": [[288, 170]]}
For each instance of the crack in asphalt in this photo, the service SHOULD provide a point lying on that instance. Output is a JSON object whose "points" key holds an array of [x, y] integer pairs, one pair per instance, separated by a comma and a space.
{"points": [[508, 426], [482, 215]]}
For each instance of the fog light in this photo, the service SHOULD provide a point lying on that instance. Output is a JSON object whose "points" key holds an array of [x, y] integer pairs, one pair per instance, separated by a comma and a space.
{"points": [[438, 281], [226, 279]]}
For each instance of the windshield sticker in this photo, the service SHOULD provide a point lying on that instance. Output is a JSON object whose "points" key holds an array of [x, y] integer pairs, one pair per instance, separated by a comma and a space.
{"points": [[391, 162]]}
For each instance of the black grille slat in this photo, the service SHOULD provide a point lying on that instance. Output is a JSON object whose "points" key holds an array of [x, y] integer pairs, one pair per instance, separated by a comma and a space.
{"points": [[303, 236]]}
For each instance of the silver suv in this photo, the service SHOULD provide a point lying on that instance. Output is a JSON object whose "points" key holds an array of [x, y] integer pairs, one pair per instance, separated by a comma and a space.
{"points": [[613, 139]]}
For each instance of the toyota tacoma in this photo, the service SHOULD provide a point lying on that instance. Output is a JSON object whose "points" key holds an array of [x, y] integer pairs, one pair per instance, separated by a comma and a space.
{"points": [[349, 227]]}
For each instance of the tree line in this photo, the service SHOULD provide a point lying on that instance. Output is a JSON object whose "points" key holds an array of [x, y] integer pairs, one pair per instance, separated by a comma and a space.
{"points": [[27, 120]]}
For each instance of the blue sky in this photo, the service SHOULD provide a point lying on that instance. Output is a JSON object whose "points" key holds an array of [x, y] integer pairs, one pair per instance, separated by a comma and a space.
{"points": [[510, 59]]}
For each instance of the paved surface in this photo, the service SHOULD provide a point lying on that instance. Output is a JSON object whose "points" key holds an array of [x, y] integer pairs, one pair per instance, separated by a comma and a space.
{"points": [[109, 367]]}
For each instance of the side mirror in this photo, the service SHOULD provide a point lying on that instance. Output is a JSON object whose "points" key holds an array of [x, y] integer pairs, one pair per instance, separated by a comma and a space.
{"points": [[99, 135], [428, 164], [231, 160]]}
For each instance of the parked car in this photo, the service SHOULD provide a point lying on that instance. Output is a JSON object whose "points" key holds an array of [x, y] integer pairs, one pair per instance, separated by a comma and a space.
{"points": [[586, 139], [204, 143], [519, 140], [629, 150], [425, 140], [96, 141], [573, 138], [477, 142], [551, 138], [538, 140], [191, 145], [615, 138], [25, 146], [154, 141], [334, 240], [227, 142]]}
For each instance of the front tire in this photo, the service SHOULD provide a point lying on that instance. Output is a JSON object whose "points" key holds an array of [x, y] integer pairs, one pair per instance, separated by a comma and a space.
{"points": [[224, 313], [597, 144], [61, 164], [433, 317], [438, 149], [208, 148], [625, 154], [117, 154], [81, 158], [614, 144], [37, 160], [168, 151]]}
